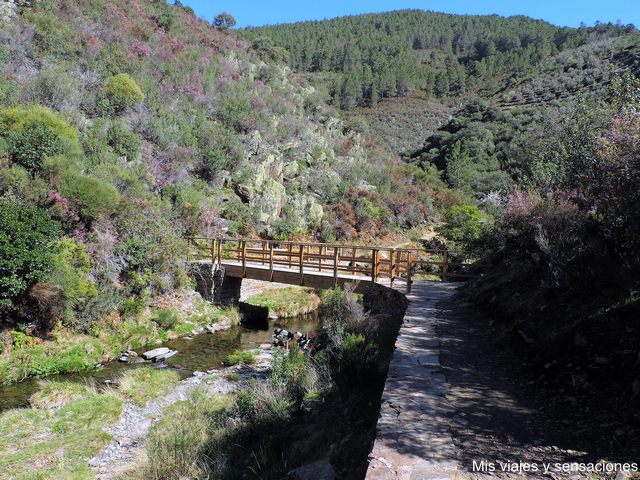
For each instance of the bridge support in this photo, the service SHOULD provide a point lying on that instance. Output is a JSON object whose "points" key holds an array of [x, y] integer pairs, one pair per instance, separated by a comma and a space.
{"points": [[213, 285]]}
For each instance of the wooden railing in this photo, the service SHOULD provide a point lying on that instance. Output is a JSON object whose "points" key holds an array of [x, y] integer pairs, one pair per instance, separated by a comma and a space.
{"points": [[372, 263]]}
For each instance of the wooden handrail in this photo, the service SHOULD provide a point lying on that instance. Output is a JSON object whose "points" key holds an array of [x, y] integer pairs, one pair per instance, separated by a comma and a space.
{"points": [[358, 260]]}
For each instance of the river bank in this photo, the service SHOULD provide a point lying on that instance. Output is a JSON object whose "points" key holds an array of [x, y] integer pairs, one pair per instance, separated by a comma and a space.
{"points": [[65, 351], [283, 408]]}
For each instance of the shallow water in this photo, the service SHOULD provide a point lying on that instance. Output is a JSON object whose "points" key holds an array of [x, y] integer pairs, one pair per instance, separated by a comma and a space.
{"points": [[203, 352]]}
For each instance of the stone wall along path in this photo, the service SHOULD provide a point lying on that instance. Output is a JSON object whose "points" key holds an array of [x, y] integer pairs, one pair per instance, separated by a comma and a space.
{"points": [[413, 440]]}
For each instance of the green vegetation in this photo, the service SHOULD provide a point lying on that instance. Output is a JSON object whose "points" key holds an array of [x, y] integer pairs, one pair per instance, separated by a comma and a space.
{"points": [[64, 428], [68, 351], [27, 235], [287, 301], [377, 56], [465, 226], [241, 356], [187, 430], [53, 394], [57, 437], [143, 384], [34, 133], [122, 92]]}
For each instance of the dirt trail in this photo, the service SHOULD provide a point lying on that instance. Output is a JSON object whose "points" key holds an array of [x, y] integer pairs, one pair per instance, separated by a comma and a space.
{"points": [[495, 417]]}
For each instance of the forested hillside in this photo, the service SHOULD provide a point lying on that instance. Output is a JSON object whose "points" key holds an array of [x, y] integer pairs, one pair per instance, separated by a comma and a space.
{"points": [[390, 54]]}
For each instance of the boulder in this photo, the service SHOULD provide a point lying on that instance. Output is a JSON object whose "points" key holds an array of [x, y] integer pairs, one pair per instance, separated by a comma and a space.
{"points": [[165, 356], [156, 352], [318, 470]]}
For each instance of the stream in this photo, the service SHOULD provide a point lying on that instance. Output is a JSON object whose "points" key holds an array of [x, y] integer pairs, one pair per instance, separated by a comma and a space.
{"points": [[202, 352]]}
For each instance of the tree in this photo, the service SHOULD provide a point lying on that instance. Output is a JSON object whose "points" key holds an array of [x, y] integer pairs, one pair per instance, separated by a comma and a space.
{"points": [[224, 21], [26, 254]]}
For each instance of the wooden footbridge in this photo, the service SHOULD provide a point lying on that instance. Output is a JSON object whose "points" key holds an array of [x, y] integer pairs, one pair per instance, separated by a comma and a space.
{"points": [[322, 265]]}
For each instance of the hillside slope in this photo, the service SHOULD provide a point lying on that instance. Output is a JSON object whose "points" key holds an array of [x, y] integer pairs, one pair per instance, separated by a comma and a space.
{"points": [[384, 55], [127, 125]]}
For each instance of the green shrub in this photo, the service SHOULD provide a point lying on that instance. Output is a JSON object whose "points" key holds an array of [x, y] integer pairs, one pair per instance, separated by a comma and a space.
{"points": [[123, 142], [241, 356], [358, 359], [122, 92], [290, 374], [132, 306], [35, 133], [71, 266], [21, 340], [465, 225], [96, 198], [167, 318], [26, 254]]}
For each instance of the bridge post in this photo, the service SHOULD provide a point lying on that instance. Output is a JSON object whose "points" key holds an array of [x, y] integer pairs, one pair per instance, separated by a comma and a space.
{"points": [[270, 262], [409, 270], [374, 264], [392, 266], [445, 264], [243, 257], [301, 259], [336, 251]]}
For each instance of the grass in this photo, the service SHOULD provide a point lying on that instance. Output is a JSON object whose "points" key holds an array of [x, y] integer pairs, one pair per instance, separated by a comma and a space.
{"points": [[66, 353], [64, 429], [73, 352], [56, 438], [178, 440], [233, 376], [53, 394], [241, 356], [287, 302], [143, 384]]}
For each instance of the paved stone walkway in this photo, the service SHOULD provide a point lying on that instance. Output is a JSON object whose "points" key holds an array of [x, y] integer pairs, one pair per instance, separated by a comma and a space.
{"points": [[413, 440]]}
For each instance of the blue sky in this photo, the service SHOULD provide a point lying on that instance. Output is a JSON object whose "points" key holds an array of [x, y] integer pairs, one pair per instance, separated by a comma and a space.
{"points": [[559, 12]]}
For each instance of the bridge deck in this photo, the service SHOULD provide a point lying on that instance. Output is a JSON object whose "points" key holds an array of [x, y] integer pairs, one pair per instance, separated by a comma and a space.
{"points": [[292, 276]]}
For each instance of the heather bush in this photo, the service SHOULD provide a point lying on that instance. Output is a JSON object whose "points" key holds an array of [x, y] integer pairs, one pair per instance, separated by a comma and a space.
{"points": [[27, 236]]}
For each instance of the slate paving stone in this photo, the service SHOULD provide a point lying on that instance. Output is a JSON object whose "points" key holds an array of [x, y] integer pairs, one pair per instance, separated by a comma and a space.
{"points": [[413, 440]]}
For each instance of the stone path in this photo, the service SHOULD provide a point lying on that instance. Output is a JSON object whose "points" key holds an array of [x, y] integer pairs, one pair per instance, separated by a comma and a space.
{"points": [[413, 440], [452, 397]]}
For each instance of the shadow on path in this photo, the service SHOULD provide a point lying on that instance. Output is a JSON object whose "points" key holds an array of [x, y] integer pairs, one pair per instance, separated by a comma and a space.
{"points": [[494, 417]]}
